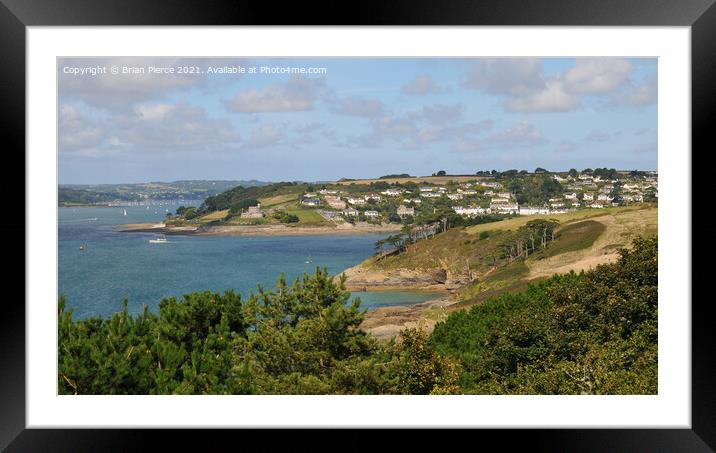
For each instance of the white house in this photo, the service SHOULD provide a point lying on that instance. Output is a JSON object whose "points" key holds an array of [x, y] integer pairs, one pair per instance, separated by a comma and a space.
{"points": [[372, 214], [455, 196], [533, 210], [570, 196], [604, 197], [588, 197], [596, 205], [405, 211], [311, 202], [351, 212], [426, 189], [392, 192], [470, 211], [505, 208], [430, 195], [254, 212], [356, 201]]}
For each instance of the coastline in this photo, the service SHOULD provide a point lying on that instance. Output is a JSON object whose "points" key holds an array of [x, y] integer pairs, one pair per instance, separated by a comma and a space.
{"points": [[255, 230]]}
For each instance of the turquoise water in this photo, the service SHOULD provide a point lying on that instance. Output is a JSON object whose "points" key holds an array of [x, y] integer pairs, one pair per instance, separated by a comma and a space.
{"points": [[116, 265]]}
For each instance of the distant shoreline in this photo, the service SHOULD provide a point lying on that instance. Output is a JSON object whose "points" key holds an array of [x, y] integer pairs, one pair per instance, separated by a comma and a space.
{"points": [[255, 230]]}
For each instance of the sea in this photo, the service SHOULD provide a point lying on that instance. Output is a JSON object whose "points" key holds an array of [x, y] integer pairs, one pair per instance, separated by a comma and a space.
{"points": [[115, 265]]}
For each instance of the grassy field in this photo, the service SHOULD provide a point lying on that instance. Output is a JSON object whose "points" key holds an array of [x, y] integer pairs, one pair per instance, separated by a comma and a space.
{"points": [[514, 277], [278, 200], [573, 237], [216, 215], [453, 250], [509, 278], [308, 217]]}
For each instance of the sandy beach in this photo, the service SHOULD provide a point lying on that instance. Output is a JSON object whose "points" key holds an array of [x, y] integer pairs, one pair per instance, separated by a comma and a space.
{"points": [[257, 230]]}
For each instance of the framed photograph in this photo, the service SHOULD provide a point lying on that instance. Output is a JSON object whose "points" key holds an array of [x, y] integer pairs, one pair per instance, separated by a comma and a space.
{"points": [[438, 219]]}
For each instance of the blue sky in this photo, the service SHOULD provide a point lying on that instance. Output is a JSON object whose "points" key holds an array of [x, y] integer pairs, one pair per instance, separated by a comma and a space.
{"points": [[359, 117]]}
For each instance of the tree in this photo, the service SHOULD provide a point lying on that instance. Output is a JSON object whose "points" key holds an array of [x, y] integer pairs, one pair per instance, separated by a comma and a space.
{"points": [[573, 172], [190, 213], [540, 170], [421, 370], [379, 244]]}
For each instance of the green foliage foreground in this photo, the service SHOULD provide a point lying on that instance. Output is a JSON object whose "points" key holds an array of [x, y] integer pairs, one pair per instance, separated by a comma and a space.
{"points": [[295, 339], [588, 333], [594, 332]]}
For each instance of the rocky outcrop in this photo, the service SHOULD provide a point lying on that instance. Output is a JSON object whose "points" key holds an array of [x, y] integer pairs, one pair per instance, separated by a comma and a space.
{"points": [[359, 278]]}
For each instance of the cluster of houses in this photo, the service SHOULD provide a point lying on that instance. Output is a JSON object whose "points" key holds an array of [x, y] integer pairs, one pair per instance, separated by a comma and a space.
{"points": [[476, 198]]}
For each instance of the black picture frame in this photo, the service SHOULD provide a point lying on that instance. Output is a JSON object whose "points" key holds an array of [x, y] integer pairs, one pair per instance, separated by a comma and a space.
{"points": [[16, 15]]}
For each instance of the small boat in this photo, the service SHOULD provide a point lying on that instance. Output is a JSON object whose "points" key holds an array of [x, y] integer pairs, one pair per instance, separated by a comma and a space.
{"points": [[125, 212], [309, 260], [159, 240], [82, 247]]}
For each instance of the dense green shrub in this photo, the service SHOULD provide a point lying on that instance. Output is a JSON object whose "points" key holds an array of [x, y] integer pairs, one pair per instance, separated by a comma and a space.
{"points": [[588, 333]]}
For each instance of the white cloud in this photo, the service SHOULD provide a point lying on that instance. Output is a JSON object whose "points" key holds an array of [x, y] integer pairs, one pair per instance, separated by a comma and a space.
{"points": [[441, 113], [597, 75], [421, 85], [518, 136], [298, 94], [265, 135], [553, 98], [153, 111], [356, 106], [395, 125], [639, 95], [507, 76], [149, 128], [525, 88], [76, 132]]}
